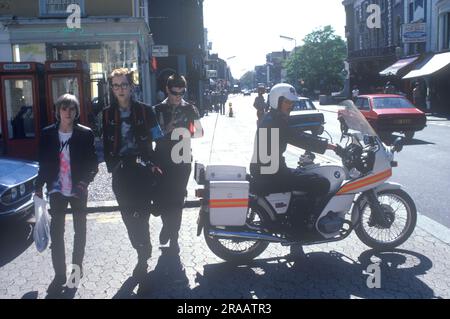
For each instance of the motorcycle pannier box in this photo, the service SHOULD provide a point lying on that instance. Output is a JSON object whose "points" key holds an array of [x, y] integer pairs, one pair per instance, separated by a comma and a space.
{"points": [[225, 173], [228, 203]]}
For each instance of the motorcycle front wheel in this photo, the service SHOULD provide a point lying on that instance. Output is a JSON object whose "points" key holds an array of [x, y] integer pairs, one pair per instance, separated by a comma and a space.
{"points": [[240, 251], [401, 214]]}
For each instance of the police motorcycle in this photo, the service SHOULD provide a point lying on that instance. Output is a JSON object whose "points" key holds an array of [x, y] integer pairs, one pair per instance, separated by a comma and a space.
{"points": [[239, 221]]}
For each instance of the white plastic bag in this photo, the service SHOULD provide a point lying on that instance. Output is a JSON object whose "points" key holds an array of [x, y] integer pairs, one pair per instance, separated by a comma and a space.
{"points": [[41, 233]]}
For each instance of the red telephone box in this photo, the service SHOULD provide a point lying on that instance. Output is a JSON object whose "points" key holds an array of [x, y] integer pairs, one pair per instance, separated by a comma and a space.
{"points": [[68, 77], [22, 108]]}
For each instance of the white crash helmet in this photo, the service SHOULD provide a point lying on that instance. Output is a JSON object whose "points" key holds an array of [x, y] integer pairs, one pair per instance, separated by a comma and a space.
{"points": [[281, 90]]}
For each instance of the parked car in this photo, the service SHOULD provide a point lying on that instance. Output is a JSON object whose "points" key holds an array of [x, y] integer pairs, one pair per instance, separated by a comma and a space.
{"points": [[246, 92], [388, 113], [17, 185], [306, 117]]}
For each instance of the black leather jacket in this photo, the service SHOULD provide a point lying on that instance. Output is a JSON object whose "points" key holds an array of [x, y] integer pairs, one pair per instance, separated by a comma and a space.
{"points": [[83, 158], [276, 119], [143, 124]]}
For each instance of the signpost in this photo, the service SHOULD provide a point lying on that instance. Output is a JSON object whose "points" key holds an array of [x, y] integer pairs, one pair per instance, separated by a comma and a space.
{"points": [[160, 51]]}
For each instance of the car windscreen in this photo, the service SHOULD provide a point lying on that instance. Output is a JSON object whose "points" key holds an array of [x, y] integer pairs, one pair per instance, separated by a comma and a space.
{"points": [[303, 105], [391, 103]]}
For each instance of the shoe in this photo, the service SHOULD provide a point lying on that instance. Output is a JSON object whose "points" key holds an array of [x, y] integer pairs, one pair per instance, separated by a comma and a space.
{"points": [[164, 236], [57, 285]]}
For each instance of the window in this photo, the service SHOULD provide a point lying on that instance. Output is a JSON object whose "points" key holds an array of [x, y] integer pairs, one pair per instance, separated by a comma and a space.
{"points": [[362, 104], [141, 9], [447, 30], [411, 12], [57, 8], [391, 103]]}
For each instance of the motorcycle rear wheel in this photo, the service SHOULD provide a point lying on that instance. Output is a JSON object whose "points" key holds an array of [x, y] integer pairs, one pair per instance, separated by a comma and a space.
{"points": [[398, 207], [236, 250]]}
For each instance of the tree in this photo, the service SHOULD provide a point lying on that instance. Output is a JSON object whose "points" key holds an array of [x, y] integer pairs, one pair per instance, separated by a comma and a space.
{"points": [[319, 62], [248, 79]]}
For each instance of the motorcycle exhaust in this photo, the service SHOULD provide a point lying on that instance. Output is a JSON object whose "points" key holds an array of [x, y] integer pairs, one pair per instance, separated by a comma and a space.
{"points": [[224, 234]]}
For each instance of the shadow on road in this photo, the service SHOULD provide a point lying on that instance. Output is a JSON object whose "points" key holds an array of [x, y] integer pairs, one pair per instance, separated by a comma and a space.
{"points": [[321, 275], [15, 238], [168, 276]]}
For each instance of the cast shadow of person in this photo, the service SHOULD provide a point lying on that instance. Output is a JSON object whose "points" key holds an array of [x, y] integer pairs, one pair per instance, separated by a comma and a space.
{"points": [[329, 275], [167, 280]]}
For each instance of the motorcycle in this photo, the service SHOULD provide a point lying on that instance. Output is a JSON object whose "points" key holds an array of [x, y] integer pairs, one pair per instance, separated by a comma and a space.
{"points": [[240, 220]]}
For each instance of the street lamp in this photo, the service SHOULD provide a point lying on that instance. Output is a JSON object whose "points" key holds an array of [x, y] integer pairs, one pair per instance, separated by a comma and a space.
{"points": [[290, 39]]}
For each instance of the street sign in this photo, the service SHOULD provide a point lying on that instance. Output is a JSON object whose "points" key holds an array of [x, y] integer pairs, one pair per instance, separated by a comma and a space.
{"points": [[160, 51], [211, 74], [414, 32]]}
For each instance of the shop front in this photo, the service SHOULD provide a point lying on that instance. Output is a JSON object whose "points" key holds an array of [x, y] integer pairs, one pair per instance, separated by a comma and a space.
{"points": [[103, 44]]}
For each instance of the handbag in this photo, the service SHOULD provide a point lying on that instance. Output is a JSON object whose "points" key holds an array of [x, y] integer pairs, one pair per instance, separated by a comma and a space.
{"points": [[41, 232]]}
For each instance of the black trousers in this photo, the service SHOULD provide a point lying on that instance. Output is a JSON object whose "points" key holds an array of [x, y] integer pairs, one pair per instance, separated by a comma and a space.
{"points": [[130, 190], [58, 206], [171, 193]]}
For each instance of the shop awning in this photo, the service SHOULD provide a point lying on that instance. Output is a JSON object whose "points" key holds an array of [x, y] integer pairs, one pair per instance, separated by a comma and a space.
{"points": [[394, 68], [437, 62]]}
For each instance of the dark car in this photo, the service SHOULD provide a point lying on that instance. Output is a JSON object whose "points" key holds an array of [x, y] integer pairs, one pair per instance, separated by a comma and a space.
{"points": [[388, 113], [306, 117], [17, 184]]}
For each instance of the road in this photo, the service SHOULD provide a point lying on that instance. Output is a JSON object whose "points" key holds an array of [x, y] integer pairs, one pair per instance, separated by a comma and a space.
{"points": [[423, 168], [334, 270]]}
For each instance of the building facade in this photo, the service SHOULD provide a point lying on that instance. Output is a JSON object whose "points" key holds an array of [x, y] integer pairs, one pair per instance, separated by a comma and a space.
{"points": [[178, 24], [109, 34], [372, 45]]}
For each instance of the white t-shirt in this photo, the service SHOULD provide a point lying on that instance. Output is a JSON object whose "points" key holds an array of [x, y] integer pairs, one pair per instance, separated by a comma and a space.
{"points": [[64, 183]]}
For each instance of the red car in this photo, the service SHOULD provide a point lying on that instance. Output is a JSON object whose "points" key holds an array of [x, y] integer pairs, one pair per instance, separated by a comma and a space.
{"points": [[388, 113]]}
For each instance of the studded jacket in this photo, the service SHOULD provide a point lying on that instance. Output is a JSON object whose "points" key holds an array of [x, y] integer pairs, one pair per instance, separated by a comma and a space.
{"points": [[144, 126]]}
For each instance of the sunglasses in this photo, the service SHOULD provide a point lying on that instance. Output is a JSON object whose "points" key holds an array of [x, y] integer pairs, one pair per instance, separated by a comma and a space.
{"points": [[120, 86], [177, 93]]}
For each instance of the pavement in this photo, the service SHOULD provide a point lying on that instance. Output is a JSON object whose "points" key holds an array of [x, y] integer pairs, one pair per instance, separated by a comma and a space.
{"points": [[418, 269]]}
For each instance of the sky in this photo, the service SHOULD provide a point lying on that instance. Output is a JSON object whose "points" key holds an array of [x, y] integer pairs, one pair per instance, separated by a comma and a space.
{"points": [[242, 32]]}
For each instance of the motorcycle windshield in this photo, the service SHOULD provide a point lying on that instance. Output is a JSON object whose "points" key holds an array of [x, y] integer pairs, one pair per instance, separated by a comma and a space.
{"points": [[354, 119]]}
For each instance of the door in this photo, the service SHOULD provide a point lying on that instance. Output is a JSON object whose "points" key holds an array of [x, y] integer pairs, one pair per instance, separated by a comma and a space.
{"points": [[20, 116]]}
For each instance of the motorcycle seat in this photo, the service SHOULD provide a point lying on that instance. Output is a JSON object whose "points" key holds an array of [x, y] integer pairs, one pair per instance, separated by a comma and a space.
{"points": [[262, 187]]}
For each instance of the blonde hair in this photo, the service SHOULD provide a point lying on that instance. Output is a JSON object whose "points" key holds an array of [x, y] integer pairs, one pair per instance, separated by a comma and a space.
{"points": [[122, 71], [67, 100]]}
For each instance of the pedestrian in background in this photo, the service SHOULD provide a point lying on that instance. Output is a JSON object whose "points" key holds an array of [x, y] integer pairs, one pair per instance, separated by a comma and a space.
{"points": [[355, 93], [260, 104], [173, 113], [129, 128], [67, 164]]}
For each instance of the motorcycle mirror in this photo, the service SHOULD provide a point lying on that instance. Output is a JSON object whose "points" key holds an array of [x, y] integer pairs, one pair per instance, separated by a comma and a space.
{"points": [[398, 145]]}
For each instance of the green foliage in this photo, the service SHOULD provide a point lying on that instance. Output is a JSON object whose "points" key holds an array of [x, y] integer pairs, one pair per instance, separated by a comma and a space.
{"points": [[318, 62]]}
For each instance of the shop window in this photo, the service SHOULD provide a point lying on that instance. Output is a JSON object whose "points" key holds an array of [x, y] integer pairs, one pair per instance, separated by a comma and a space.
{"points": [[34, 52], [58, 8]]}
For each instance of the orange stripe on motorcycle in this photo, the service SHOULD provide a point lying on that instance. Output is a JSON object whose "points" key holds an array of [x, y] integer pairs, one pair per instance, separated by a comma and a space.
{"points": [[364, 182]]}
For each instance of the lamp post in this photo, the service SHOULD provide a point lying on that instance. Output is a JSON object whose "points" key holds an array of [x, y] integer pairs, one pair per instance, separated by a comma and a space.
{"points": [[290, 39]]}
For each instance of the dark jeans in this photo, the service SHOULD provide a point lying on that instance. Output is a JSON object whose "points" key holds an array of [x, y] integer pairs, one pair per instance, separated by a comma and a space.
{"points": [[172, 191], [58, 206], [130, 190]]}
